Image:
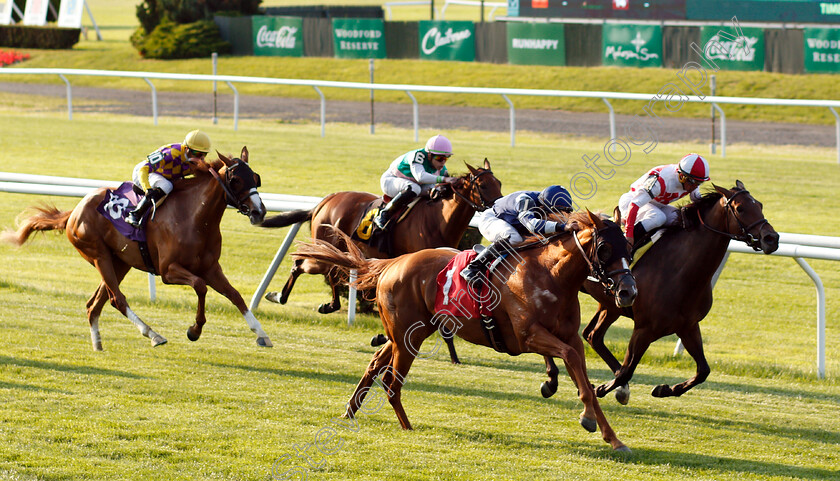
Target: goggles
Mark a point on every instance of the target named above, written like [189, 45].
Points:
[195, 153]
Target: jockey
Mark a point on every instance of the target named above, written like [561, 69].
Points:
[646, 207]
[170, 162]
[514, 216]
[413, 173]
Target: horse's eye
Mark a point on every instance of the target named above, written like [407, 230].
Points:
[604, 252]
[257, 178]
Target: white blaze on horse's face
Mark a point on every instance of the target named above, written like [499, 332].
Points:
[258, 212]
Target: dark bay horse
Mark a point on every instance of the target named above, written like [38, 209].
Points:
[429, 224]
[675, 286]
[183, 237]
[536, 305]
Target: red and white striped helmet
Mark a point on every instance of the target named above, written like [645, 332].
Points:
[695, 167]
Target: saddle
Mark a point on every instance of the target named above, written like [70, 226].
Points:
[115, 206]
[367, 232]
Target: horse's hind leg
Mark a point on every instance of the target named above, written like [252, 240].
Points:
[693, 342]
[216, 279]
[94, 309]
[380, 359]
[333, 279]
[283, 296]
[113, 271]
[449, 337]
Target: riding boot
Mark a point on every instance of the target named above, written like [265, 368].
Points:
[135, 217]
[639, 232]
[403, 198]
[479, 264]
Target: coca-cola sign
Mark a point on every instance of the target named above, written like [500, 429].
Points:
[279, 36]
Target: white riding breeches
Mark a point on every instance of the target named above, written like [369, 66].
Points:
[495, 229]
[393, 185]
[651, 215]
[155, 180]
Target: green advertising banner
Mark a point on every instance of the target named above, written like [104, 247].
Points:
[277, 36]
[744, 52]
[822, 50]
[442, 40]
[536, 43]
[359, 37]
[632, 45]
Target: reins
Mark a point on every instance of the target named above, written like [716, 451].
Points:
[745, 235]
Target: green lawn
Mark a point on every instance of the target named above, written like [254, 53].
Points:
[222, 408]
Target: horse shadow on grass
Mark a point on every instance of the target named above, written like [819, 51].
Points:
[52, 366]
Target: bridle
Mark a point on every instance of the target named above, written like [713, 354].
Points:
[474, 185]
[232, 201]
[597, 269]
[744, 235]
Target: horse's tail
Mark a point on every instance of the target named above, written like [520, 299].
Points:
[285, 219]
[367, 270]
[47, 218]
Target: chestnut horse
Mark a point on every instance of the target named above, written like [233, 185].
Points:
[675, 286]
[536, 304]
[429, 224]
[183, 237]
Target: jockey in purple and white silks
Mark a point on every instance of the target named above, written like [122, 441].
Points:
[513, 217]
[413, 173]
[170, 162]
[646, 207]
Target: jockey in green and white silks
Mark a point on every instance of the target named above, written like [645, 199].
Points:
[414, 173]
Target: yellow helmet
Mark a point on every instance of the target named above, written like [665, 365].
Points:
[198, 141]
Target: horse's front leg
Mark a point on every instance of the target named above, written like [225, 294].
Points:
[541, 341]
[216, 279]
[594, 334]
[693, 342]
[640, 340]
[381, 358]
[178, 274]
[548, 388]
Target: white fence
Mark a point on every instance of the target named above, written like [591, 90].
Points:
[797, 246]
[715, 101]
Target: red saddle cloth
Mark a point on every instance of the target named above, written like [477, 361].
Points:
[454, 296]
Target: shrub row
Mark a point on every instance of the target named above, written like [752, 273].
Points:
[169, 40]
[38, 37]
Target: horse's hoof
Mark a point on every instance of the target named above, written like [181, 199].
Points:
[97, 347]
[456, 361]
[622, 394]
[547, 390]
[662, 390]
[191, 336]
[275, 297]
[589, 424]
[158, 341]
[378, 340]
[326, 308]
[623, 449]
[264, 342]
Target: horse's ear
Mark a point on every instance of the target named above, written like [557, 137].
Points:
[471, 168]
[244, 155]
[724, 192]
[740, 185]
[225, 160]
[486, 164]
[596, 219]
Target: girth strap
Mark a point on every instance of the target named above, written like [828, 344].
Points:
[491, 331]
[147, 258]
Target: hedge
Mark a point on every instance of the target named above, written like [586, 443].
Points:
[38, 37]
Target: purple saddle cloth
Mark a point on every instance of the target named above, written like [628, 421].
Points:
[115, 207]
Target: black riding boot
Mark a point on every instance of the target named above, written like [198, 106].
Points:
[639, 232]
[479, 264]
[404, 197]
[135, 217]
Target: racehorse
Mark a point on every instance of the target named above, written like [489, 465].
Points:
[536, 306]
[429, 224]
[675, 287]
[183, 238]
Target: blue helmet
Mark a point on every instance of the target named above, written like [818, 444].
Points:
[556, 198]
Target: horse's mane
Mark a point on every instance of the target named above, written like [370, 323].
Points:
[580, 216]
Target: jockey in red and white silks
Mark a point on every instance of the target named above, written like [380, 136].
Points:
[646, 207]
